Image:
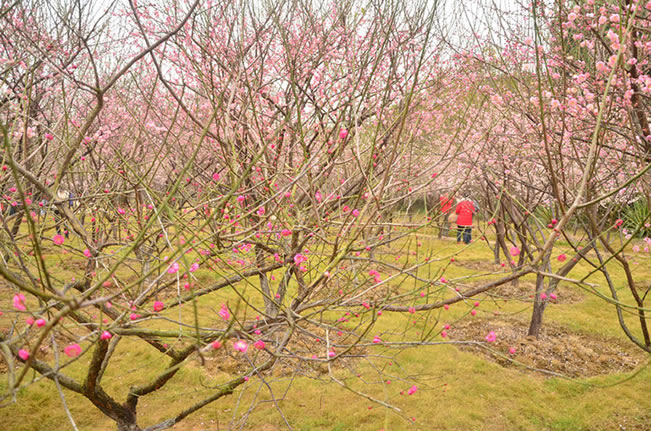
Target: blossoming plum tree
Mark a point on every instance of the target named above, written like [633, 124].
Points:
[232, 171]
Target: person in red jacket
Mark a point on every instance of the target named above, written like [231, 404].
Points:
[446, 203]
[465, 210]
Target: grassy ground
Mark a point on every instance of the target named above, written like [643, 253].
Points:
[457, 389]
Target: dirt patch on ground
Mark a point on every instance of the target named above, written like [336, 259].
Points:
[46, 349]
[479, 265]
[520, 290]
[305, 355]
[525, 290]
[557, 350]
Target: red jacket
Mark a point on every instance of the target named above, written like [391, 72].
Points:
[446, 203]
[465, 210]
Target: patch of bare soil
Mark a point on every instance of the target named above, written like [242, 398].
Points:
[73, 264]
[621, 422]
[301, 349]
[45, 350]
[557, 350]
[479, 265]
[525, 290]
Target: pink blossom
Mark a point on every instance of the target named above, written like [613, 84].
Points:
[58, 239]
[376, 339]
[87, 253]
[491, 337]
[24, 354]
[73, 350]
[514, 251]
[158, 306]
[224, 313]
[561, 257]
[444, 334]
[259, 345]
[173, 269]
[194, 267]
[355, 213]
[106, 335]
[331, 354]
[19, 302]
[619, 222]
[215, 176]
[299, 258]
[40, 322]
[512, 351]
[29, 320]
[412, 390]
[121, 211]
[241, 198]
[134, 316]
[553, 296]
[285, 232]
[543, 296]
[343, 133]
[49, 136]
[216, 344]
[240, 346]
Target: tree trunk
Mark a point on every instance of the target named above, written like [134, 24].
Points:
[539, 305]
[16, 226]
[496, 252]
[269, 306]
[125, 426]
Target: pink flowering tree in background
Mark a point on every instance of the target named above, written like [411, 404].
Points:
[256, 152]
[224, 181]
[570, 143]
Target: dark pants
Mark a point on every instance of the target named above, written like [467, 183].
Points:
[465, 232]
[60, 226]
